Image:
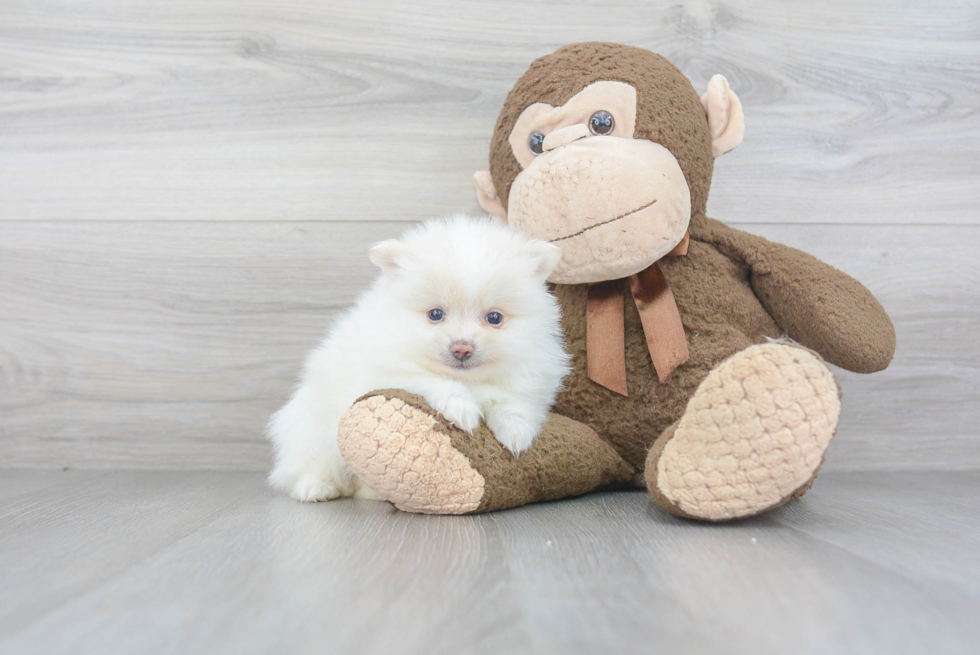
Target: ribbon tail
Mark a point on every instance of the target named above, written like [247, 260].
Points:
[661, 320]
[680, 250]
[605, 335]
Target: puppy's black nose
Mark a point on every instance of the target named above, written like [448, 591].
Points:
[462, 350]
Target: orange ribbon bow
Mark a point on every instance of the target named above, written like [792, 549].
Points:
[605, 340]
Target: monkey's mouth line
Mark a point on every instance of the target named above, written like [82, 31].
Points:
[611, 220]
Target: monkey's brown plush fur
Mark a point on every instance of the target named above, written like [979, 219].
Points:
[739, 428]
[729, 289]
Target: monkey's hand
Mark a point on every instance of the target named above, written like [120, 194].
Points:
[819, 306]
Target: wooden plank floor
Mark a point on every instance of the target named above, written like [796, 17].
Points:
[196, 562]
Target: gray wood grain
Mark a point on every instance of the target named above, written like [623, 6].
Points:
[179, 562]
[188, 190]
[167, 345]
[258, 110]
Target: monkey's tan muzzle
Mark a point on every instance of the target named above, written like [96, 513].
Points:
[613, 205]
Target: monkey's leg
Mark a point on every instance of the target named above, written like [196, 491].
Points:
[753, 436]
[409, 455]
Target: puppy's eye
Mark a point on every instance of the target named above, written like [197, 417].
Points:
[436, 315]
[536, 142]
[601, 122]
[495, 318]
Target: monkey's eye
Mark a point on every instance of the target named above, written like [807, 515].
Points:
[536, 142]
[495, 318]
[601, 122]
[436, 315]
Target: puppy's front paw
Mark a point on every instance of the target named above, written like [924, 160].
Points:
[514, 432]
[311, 489]
[462, 412]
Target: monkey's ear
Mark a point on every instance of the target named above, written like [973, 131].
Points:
[546, 257]
[386, 254]
[486, 195]
[725, 118]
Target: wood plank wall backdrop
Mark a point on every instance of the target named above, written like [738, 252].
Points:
[187, 191]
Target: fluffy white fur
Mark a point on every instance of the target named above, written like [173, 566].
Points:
[466, 267]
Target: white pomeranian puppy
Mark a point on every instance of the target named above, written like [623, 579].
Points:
[460, 315]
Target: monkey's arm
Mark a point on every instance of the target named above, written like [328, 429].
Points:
[818, 306]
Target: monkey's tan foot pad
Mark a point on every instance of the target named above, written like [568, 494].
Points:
[752, 437]
[409, 455]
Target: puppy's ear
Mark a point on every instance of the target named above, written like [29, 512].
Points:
[545, 256]
[386, 255]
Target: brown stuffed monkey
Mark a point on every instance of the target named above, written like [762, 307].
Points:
[698, 350]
